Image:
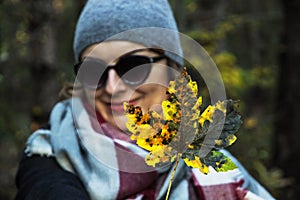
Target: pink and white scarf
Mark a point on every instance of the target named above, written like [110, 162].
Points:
[111, 166]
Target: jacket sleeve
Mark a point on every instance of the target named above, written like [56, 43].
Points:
[42, 178]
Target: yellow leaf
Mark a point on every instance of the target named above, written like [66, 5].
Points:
[180, 132]
[159, 156]
[231, 139]
[194, 87]
[170, 111]
[196, 164]
[171, 88]
[221, 105]
[207, 114]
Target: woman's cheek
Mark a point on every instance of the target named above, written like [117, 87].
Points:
[153, 96]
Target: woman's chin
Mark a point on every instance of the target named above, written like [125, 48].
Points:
[119, 121]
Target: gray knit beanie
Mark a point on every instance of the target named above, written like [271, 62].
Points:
[148, 22]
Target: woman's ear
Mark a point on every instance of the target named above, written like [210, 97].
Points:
[70, 90]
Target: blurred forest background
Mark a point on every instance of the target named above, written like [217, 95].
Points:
[255, 44]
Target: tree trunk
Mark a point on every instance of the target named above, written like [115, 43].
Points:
[287, 129]
[42, 45]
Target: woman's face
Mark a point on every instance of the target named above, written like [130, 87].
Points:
[108, 100]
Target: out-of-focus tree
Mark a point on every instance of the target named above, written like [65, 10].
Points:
[287, 127]
[35, 52]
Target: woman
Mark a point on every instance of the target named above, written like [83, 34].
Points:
[125, 53]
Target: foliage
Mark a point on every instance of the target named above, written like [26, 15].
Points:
[184, 130]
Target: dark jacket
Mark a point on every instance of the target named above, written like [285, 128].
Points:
[42, 178]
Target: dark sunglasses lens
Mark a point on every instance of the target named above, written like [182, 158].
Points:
[134, 69]
[91, 73]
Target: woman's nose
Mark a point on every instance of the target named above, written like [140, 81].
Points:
[114, 83]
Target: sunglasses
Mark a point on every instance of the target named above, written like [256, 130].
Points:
[132, 69]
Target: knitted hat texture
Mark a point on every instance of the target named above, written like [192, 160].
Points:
[147, 22]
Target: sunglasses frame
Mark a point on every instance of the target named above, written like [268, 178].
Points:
[103, 79]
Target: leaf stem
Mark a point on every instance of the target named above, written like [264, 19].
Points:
[173, 175]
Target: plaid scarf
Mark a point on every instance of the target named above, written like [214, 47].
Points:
[112, 167]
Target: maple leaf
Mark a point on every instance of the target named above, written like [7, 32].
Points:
[184, 132]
